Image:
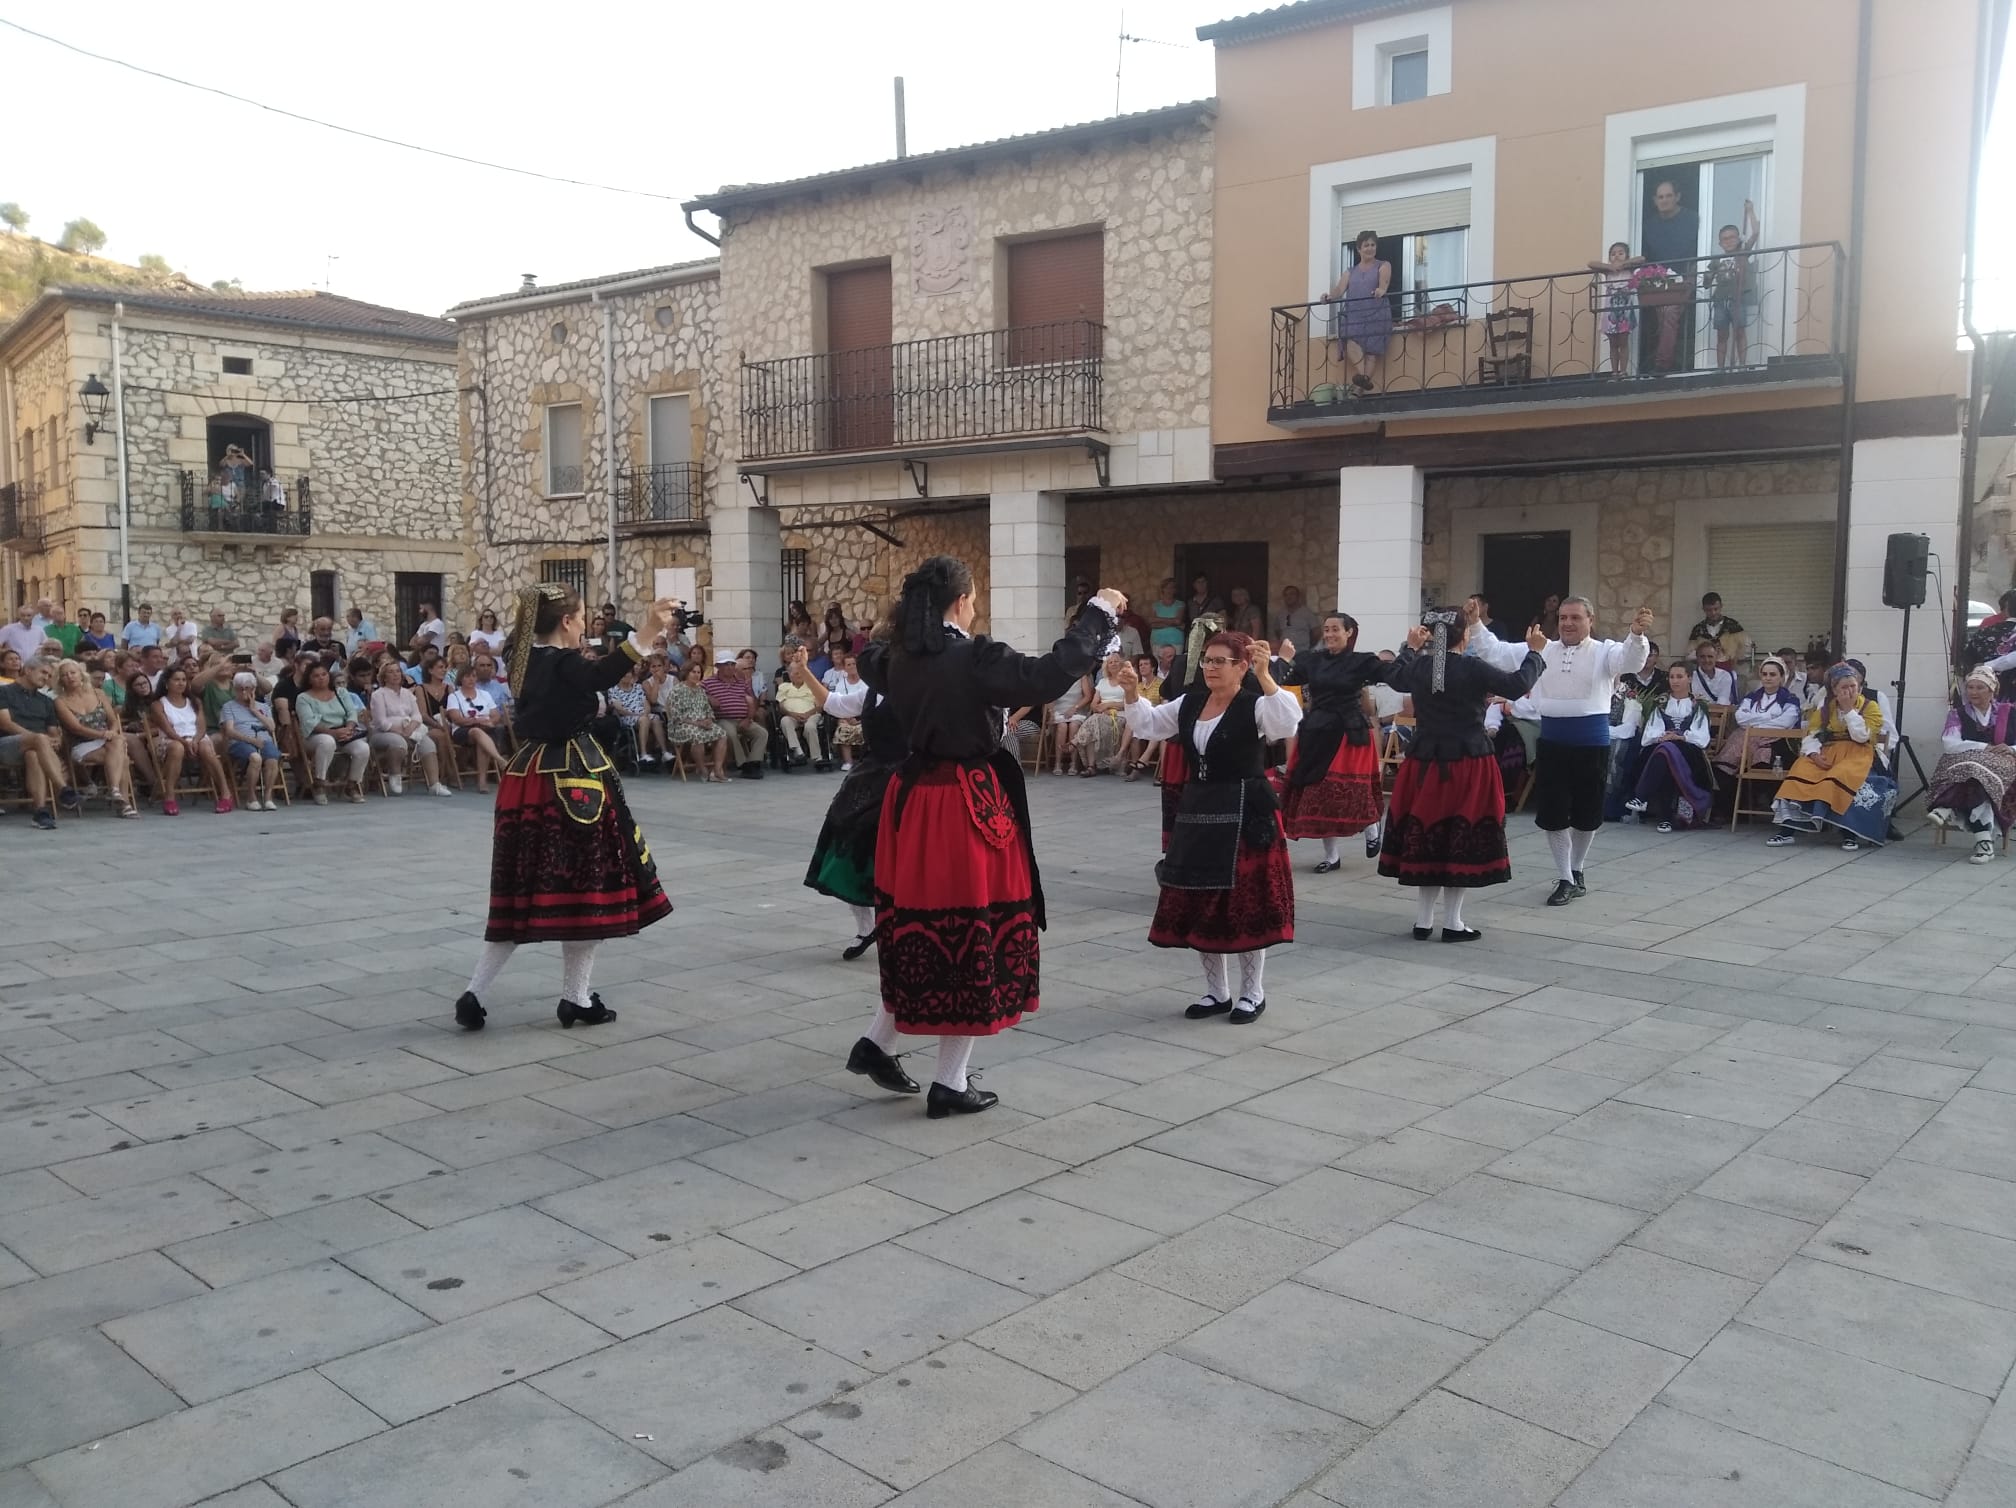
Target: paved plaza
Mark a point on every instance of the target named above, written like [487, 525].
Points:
[1700, 1193]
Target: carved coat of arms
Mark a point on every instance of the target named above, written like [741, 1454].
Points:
[941, 250]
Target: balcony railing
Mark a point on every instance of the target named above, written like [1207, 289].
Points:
[1773, 315]
[210, 507]
[668, 493]
[21, 515]
[989, 385]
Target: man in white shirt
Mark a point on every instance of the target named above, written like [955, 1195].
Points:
[179, 637]
[1710, 683]
[21, 635]
[1572, 697]
[432, 633]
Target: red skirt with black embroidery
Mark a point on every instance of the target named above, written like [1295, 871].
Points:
[556, 878]
[955, 916]
[1257, 912]
[1345, 801]
[1445, 824]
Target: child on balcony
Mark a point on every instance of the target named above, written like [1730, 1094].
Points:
[1731, 295]
[1618, 304]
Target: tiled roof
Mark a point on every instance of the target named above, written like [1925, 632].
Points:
[297, 309]
[1294, 17]
[1194, 112]
[671, 272]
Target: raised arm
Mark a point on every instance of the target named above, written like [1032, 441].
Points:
[1011, 679]
[1495, 652]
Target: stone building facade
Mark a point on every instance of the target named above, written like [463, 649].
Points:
[635, 356]
[348, 406]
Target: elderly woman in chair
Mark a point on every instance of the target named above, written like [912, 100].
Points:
[1974, 786]
[1835, 782]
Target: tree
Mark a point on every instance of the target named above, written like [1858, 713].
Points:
[81, 235]
[227, 285]
[154, 262]
[14, 217]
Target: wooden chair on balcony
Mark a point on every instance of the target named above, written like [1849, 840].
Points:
[1508, 347]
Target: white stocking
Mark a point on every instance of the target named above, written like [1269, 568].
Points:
[1452, 909]
[1252, 972]
[1217, 978]
[489, 964]
[1332, 850]
[954, 1053]
[1563, 849]
[1578, 856]
[864, 920]
[577, 961]
[1424, 905]
[882, 1030]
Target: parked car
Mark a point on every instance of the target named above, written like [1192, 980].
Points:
[1977, 611]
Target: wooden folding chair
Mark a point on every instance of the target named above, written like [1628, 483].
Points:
[1939, 838]
[1392, 751]
[1749, 775]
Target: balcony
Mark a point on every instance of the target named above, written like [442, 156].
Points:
[990, 390]
[659, 499]
[1540, 342]
[210, 508]
[21, 516]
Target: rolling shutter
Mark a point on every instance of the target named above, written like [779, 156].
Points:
[1408, 214]
[1059, 284]
[857, 308]
[1777, 580]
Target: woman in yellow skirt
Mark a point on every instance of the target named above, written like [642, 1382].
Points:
[1835, 781]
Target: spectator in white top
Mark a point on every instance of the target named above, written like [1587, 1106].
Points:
[21, 635]
[399, 731]
[45, 614]
[179, 637]
[432, 633]
[1709, 682]
[474, 719]
[266, 667]
[486, 634]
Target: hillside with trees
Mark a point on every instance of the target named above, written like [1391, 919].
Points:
[29, 264]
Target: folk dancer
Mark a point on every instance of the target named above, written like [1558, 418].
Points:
[1974, 785]
[843, 859]
[1675, 764]
[1227, 891]
[958, 902]
[1835, 781]
[1332, 788]
[567, 861]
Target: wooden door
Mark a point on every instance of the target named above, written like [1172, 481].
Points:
[861, 404]
[1227, 564]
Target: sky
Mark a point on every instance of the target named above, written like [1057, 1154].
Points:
[674, 98]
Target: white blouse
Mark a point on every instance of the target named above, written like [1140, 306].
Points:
[1694, 729]
[852, 701]
[182, 719]
[491, 639]
[1754, 712]
[1279, 715]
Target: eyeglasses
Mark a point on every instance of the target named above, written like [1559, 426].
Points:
[1217, 662]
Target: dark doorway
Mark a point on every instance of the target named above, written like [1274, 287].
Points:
[411, 591]
[1081, 574]
[322, 595]
[860, 389]
[1238, 563]
[250, 434]
[1519, 572]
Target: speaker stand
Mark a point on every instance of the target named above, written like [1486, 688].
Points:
[1904, 748]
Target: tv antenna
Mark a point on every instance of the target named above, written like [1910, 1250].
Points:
[329, 262]
[1121, 61]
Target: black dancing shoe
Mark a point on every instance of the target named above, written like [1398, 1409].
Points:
[1210, 1005]
[469, 1013]
[1329, 864]
[594, 1013]
[859, 946]
[867, 1058]
[1247, 1011]
[1372, 837]
[941, 1102]
[1460, 934]
[1564, 892]
[1422, 934]
[1581, 885]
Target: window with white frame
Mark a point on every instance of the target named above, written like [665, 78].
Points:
[563, 449]
[1398, 59]
[1423, 226]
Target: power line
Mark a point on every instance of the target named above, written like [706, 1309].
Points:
[329, 125]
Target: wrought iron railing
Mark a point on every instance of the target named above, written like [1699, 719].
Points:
[992, 384]
[218, 506]
[21, 514]
[1769, 315]
[668, 493]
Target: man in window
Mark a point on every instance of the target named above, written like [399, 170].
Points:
[736, 709]
[1671, 239]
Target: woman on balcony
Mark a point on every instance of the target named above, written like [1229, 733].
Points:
[1367, 322]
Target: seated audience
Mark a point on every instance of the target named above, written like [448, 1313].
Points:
[493, 686]
[433, 689]
[1710, 683]
[401, 733]
[476, 722]
[693, 721]
[137, 730]
[29, 735]
[331, 719]
[735, 708]
[1772, 706]
[632, 709]
[1673, 773]
[847, 731]
[1974, 785]
[1066, 713]
[1101, 731]
[91, 722]
[1135, 753]
[99, 636]
[180, 735]
[486, 634]
[251, 742]
[1835, 782]
[798, 722]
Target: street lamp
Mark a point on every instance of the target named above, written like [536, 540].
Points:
[97, 403]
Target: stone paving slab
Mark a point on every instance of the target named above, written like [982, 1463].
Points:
[1582, 1219]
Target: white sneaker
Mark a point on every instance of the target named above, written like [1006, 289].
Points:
[1984, 851]
[272, 806]
[438, 789]
[1940, 816]
[398, 784]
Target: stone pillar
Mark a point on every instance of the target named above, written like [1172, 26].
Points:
[1026, 569]
[745, 604]
[1379, 551]
[1904, 486]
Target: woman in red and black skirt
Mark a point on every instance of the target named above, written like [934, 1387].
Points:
[1332, 790]
[957, 900]
[567, 863]
[1226, 887]
[1445, 823]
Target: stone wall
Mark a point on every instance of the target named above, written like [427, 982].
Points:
[667, 341]
[42, 391]
[1137, 537]
[850, 566]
